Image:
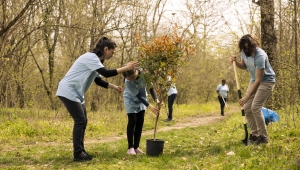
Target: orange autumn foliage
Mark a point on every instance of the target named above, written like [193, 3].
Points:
[162, 56]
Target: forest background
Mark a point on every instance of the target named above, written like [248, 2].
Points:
[40, 40]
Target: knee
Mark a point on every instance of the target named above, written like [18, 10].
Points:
[256, 109]
[140, 123]
[80, 121]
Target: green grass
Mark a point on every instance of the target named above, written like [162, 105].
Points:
[33, 139]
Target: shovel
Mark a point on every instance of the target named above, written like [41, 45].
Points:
[245, 141]
[224, 102]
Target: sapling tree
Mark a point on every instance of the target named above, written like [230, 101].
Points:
[163, 56]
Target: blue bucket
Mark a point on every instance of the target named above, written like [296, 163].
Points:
[270, 115]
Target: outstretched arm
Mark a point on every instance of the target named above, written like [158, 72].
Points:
[154, 96]
[110, 73]
[147, 104]
[101, 82]
[106, 85]
[107, 73]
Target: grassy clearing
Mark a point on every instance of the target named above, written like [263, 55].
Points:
[42, 140]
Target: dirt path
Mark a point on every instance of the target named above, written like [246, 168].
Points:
[194, 121]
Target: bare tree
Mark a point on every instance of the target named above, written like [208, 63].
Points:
[40, 40]
[13, 52]
[203, 22]
[7, 25]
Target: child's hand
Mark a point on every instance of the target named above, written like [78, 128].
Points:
[153, 109]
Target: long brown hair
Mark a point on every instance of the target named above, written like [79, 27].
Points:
[252, 44]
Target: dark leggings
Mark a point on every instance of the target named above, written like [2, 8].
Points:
[78, 113]
[222, 104]
[134, 128]
[171, 100]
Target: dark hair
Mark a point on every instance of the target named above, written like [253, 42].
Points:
[252, 44]
[128, 73]
[102, 43]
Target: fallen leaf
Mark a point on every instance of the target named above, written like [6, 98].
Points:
[230, 153]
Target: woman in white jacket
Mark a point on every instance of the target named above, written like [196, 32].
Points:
[172, 93]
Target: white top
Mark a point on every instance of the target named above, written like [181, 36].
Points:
[223, 90]
[172, 89]
[79, 77]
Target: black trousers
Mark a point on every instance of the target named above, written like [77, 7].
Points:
[78, 113]
[134, 128]
[171, 100]
[222, 104]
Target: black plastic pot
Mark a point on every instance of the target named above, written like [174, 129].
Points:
[154, 147]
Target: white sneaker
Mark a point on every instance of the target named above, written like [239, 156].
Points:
[131, 151]
[138, 151]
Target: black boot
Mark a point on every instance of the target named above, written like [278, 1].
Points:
[82, 157]
[261, 139]
[252, 139]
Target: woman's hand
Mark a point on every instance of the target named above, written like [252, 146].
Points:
[132, 65]
[243, 100]
[153, 109]
[240, 64]
[232, 58]
[119, 89]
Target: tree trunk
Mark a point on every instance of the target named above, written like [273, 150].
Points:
[268, 38]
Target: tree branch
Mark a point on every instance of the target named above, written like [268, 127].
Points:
[14, 21]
